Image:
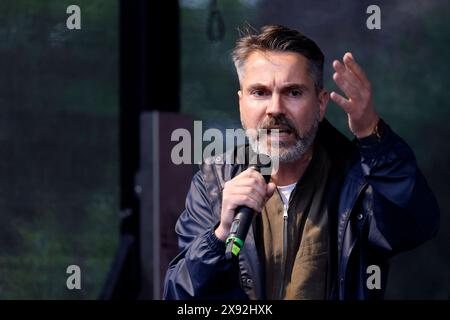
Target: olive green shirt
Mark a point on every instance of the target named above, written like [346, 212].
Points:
[298, 271]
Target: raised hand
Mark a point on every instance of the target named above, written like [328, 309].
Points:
[358, 105]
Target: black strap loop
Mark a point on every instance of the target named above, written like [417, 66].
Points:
[215, 24]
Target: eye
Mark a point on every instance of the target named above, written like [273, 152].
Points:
[295, 93]
[258, 93]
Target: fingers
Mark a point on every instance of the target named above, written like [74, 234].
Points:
[248, 201]
[346, 73]
[341, 101]
[254, 193]
[230, 201]
[248, 188]
[253, 179]
[251, 172]
[352, 80]
[351, 64]
[348, 87]
[358, 104]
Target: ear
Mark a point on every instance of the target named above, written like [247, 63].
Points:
[323, 101]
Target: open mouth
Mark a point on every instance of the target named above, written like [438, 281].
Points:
[280, 130]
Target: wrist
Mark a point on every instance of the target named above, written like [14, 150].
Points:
[221, 233]
[380, 132]
[370, 130]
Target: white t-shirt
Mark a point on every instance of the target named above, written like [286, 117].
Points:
[285, 193]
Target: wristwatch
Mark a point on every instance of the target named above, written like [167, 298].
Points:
[375, 136]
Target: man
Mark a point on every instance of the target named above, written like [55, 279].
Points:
[333, 208]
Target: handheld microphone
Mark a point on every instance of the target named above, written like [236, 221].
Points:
[244, 215]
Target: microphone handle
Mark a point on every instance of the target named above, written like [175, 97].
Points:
[238, 231]
[244, 216]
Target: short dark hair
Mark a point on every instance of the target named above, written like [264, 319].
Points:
[280, 38]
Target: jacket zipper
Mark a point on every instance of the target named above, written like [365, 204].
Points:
[283, 267]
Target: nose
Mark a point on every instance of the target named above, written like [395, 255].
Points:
[275, 106]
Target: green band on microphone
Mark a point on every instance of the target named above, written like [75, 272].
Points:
[236, 240]
[235, 249]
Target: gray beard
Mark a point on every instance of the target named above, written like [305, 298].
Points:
[285, 152]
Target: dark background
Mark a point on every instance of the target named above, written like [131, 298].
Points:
[59, 166]
[59, 123]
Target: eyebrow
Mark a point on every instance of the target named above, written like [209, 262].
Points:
[256, 86]
[295, 86]
[286, 87]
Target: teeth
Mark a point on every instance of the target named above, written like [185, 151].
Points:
[279, 130]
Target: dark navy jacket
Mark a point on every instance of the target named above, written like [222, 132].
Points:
[378, 201]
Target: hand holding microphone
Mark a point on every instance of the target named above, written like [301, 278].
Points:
[242, 197]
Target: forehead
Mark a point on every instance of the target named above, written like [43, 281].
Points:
[274, 66]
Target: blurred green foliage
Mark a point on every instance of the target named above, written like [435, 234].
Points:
[59, 145]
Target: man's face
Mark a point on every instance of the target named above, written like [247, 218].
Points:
[277, 92]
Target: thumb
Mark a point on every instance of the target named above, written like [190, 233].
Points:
[270, 189]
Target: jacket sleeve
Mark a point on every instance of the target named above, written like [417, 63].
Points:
[405, 212]
[200, 270]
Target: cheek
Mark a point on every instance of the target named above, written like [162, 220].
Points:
[304, 114]
[251, 112]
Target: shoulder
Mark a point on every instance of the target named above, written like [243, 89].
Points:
[221, 168]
